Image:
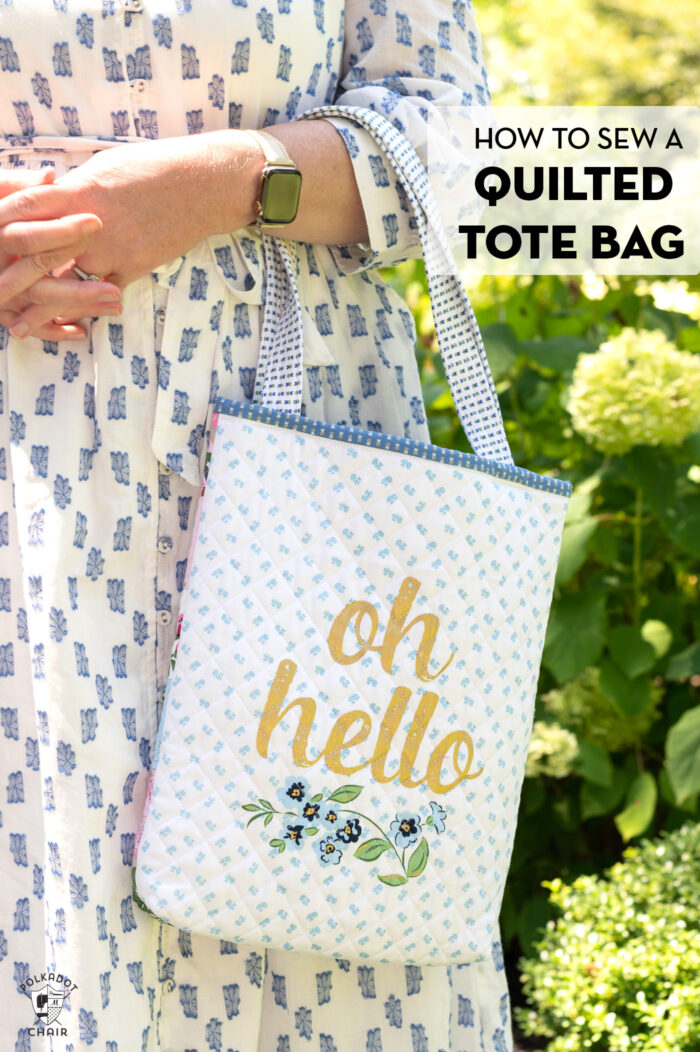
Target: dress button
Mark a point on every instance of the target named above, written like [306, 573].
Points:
[161, 695]
[164, 545]
[164, 617]
[164, 469]
[169, 986]
[140, 86]
[160, 317]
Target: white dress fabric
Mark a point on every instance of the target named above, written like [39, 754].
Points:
[101, 446]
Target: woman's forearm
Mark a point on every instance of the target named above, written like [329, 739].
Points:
[330, 209]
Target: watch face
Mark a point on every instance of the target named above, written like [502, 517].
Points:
[280, 195]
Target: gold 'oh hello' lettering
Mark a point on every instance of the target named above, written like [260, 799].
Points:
[353, 728]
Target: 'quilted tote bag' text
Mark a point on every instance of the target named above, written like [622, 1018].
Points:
[342, 747]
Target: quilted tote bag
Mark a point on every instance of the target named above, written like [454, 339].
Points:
[343, 741]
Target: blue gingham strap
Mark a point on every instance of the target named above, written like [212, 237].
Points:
[459, 339]
[278, 378]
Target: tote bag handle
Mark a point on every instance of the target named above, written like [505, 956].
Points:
[279, 374]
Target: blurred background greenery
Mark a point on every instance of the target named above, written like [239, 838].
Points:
[599, 383]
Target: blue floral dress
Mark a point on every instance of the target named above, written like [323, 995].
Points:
[101, 445]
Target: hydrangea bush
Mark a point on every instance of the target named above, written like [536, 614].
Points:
[636, 389]
[618, 970]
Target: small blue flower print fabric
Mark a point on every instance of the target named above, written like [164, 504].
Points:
[101, 449]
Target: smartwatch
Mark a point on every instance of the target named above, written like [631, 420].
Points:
[280, 184]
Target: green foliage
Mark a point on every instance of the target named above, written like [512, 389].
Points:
[592, 52]
[619, 968]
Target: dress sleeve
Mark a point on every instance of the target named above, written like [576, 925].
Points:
[400, 59]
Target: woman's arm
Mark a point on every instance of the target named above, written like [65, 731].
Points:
[157, 199]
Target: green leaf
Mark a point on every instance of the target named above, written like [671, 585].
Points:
[250, 807]
[311, 831]
[683, 754]
[685, 664]
[599, 800]
[658, 635]
[689, 804]
[532, 918]
[574, 548]
[629, 696]
[639, 807]
[579, 617]
[419, 859]
[682, 523]
[372, 849]
[266, 804]
[653, 472]
[593, 763]
[279, 845]
[501, 348]
[559, 353]
[268, 818]
[317, 798]
[394, 879]
[254, 818]
[630, 651]
[345, 794]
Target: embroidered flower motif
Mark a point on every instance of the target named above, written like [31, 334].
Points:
[294, 793]
[351, 832]
[309, 811]
[293, 833]
[405, 829]
[328, 851]
[438, 815]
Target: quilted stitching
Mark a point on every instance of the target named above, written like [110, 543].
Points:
[270, 574]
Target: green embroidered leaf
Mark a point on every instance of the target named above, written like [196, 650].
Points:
[250, 807]
[312, 831]
[265, 803]
[419, 859]
[268, 818]
[345, 794]
[279, 845]
[317, 798]
[429, 820]
[394, 879]
[251, 820]
[372, 849]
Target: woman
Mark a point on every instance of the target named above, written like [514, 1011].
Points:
[102, 431]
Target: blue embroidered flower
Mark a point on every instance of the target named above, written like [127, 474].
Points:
[405, 829]
[438, 815]
[349, 831]
[213, 1035]
[328, 851]
[465, 1012]
[65, 756]
[293, 832]
[62, 492]
[293, 793]
[414, 977]
[95, 564]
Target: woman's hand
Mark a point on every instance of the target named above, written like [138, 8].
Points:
[155, 201]
[33, 300]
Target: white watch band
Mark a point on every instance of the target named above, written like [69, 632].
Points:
[274, 151]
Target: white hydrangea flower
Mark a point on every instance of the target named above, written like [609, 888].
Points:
[552, 751]
[637, 388]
